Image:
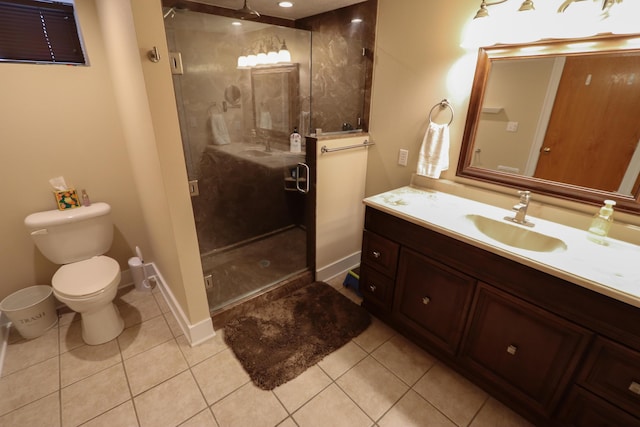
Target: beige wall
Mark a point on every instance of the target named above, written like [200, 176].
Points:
[62, 120]
[94, 126]
[146, 102]
[418, 62]
[519, 88]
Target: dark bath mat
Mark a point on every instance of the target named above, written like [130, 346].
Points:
[279, 341]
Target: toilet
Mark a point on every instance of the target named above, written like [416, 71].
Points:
[87, 281]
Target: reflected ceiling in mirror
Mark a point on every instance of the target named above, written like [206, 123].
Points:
[559, 119]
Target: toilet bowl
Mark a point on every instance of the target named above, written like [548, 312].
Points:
[87, 282]
[88, 287]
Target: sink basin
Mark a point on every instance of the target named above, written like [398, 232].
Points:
[516, 236]
[256, 153]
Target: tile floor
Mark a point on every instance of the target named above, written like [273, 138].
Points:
[150, 376]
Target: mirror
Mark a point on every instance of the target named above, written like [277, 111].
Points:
[558, 119]
[232, 96]
[275, 93]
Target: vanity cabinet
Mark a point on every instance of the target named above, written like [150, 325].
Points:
[551, 350]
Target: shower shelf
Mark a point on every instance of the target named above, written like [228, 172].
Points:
[290, 183]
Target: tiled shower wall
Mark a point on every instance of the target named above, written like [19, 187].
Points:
[341, 73]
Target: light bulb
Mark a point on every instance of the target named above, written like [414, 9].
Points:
[284, 55]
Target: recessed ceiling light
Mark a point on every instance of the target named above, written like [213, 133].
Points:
[356, 20]
[236, 23]
[285, 4]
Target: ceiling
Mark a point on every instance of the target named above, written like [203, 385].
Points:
[300, 9]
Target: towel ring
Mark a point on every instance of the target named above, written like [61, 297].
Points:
[442, 104]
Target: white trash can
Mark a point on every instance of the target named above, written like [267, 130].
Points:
[31, 310]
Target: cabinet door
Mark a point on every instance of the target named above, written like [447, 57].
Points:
[613, 372]
[528, 352]
[432, 299]
[583, 409]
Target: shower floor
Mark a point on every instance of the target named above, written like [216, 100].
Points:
[245, 270]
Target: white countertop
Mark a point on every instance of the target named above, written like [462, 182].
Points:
[609, 270]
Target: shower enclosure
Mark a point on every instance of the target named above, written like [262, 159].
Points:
[254, 221]
[248, 190]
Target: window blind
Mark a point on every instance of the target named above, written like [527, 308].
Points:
[38, 31]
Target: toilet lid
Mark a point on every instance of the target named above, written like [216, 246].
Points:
[86, 277]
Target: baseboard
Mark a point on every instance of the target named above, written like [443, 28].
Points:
[342, 266]
[195, 333]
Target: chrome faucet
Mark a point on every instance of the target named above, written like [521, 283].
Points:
[521, 209]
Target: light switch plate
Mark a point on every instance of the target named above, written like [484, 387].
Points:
[403, 155]
[512, 126]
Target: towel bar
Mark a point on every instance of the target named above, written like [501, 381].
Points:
[366, 143]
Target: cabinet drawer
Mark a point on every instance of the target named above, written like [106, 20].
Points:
[583, 409]
[528, 351]
[432, 299]
[612, 371]
[376, 288]
[380, 253]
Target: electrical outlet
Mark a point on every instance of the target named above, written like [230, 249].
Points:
[512, 126]
[403, 155]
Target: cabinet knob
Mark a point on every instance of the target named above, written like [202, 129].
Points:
[426, 300]
[512, 349]
[634, 387]
[372, 288]
[376, 254]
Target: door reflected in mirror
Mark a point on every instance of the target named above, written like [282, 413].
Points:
[561, 123]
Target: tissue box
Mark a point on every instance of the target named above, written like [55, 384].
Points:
[67, 199]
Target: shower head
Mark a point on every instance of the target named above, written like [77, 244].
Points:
[247, 12]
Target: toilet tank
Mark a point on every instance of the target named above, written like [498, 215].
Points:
[72, 235]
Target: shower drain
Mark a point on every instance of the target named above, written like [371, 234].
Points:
[264, 263]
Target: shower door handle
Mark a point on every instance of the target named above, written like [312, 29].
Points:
[302, 178]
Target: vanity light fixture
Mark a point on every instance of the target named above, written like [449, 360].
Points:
[572, 19]
[266, 53]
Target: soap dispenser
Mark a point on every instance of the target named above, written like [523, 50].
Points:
[295, 142]
[601, 223]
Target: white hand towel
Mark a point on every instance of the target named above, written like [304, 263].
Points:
[265, 120]
[219, 130]
[434, 152]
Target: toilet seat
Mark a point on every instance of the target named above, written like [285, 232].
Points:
[86, 278]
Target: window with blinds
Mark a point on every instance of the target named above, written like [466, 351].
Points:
[39, 31]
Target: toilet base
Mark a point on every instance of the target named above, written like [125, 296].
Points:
[101, 326]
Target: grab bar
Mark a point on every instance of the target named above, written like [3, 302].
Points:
[366, 143]
[304, 178]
